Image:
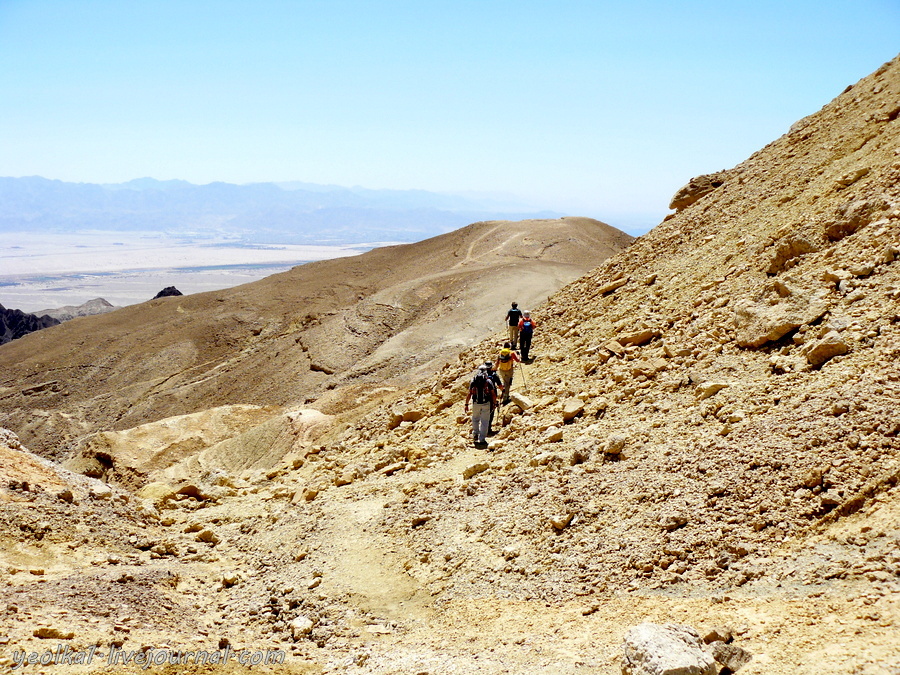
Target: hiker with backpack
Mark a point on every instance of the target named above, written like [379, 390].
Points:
[512, 322]
[483, 396]
[498, 386]
[506, 361]
[526, 331]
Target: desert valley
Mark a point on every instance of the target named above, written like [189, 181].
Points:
[707, 436]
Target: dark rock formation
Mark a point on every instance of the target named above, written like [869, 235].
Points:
[167, 292]
[14, 323]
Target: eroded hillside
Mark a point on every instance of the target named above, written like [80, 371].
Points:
[291, 337]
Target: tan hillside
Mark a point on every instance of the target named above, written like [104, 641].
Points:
[707, 436]
[287, 339]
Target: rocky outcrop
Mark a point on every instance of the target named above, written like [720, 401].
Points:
[14, 323]
[696, 188]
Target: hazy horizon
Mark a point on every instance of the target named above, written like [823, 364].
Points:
[599, 109]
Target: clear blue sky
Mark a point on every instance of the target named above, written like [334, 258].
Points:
[589, 107]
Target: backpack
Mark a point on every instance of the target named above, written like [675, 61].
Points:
[527, 327]
[482, 386]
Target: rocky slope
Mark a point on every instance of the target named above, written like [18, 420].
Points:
[293, 336]
[707, 436]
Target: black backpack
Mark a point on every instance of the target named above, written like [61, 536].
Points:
[527, 327]
[482, 386]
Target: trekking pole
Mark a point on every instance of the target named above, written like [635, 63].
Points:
[524, 380]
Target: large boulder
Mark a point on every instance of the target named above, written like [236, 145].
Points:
[653, 649]
[758, 323]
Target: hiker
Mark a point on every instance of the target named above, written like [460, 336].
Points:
[498, 386]
[506, 361]
[512, 322]
[483, 395]
[526, 330]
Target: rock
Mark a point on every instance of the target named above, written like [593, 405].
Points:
[419, 519]
[615, 443]
[851, 177]
[862, 269]
[757, 324]
[840, 407]
[168, 292]
[812, 478]
[66, 496]
[208, 536]
[639, 337]
[696, 188]
[615, 347]
[101, 491]
[413, 415]
[611, 286]
[572, 408]
[787, 251]
[474, 469]
[831, 345]
[544, 459]
[730, 655]
[717, 634]
[510, 552]
[707, 389]
[231, 578]
[553, 435]
[393, 468]
[521, 400]
[652, 649]
[647, 367]
[300, 627]
[560, 521]
[672, 521]
[854, 215]
[52, 633]
[394, 420]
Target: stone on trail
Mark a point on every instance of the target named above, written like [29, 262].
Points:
[475, 469]
[521, 400]
[301, 626]
[53, 633]
[652, 649]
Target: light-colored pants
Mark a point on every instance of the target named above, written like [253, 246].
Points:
[506, 376]
[481, 421]
[513, 336]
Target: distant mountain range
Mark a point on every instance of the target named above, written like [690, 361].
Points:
[282, 213]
